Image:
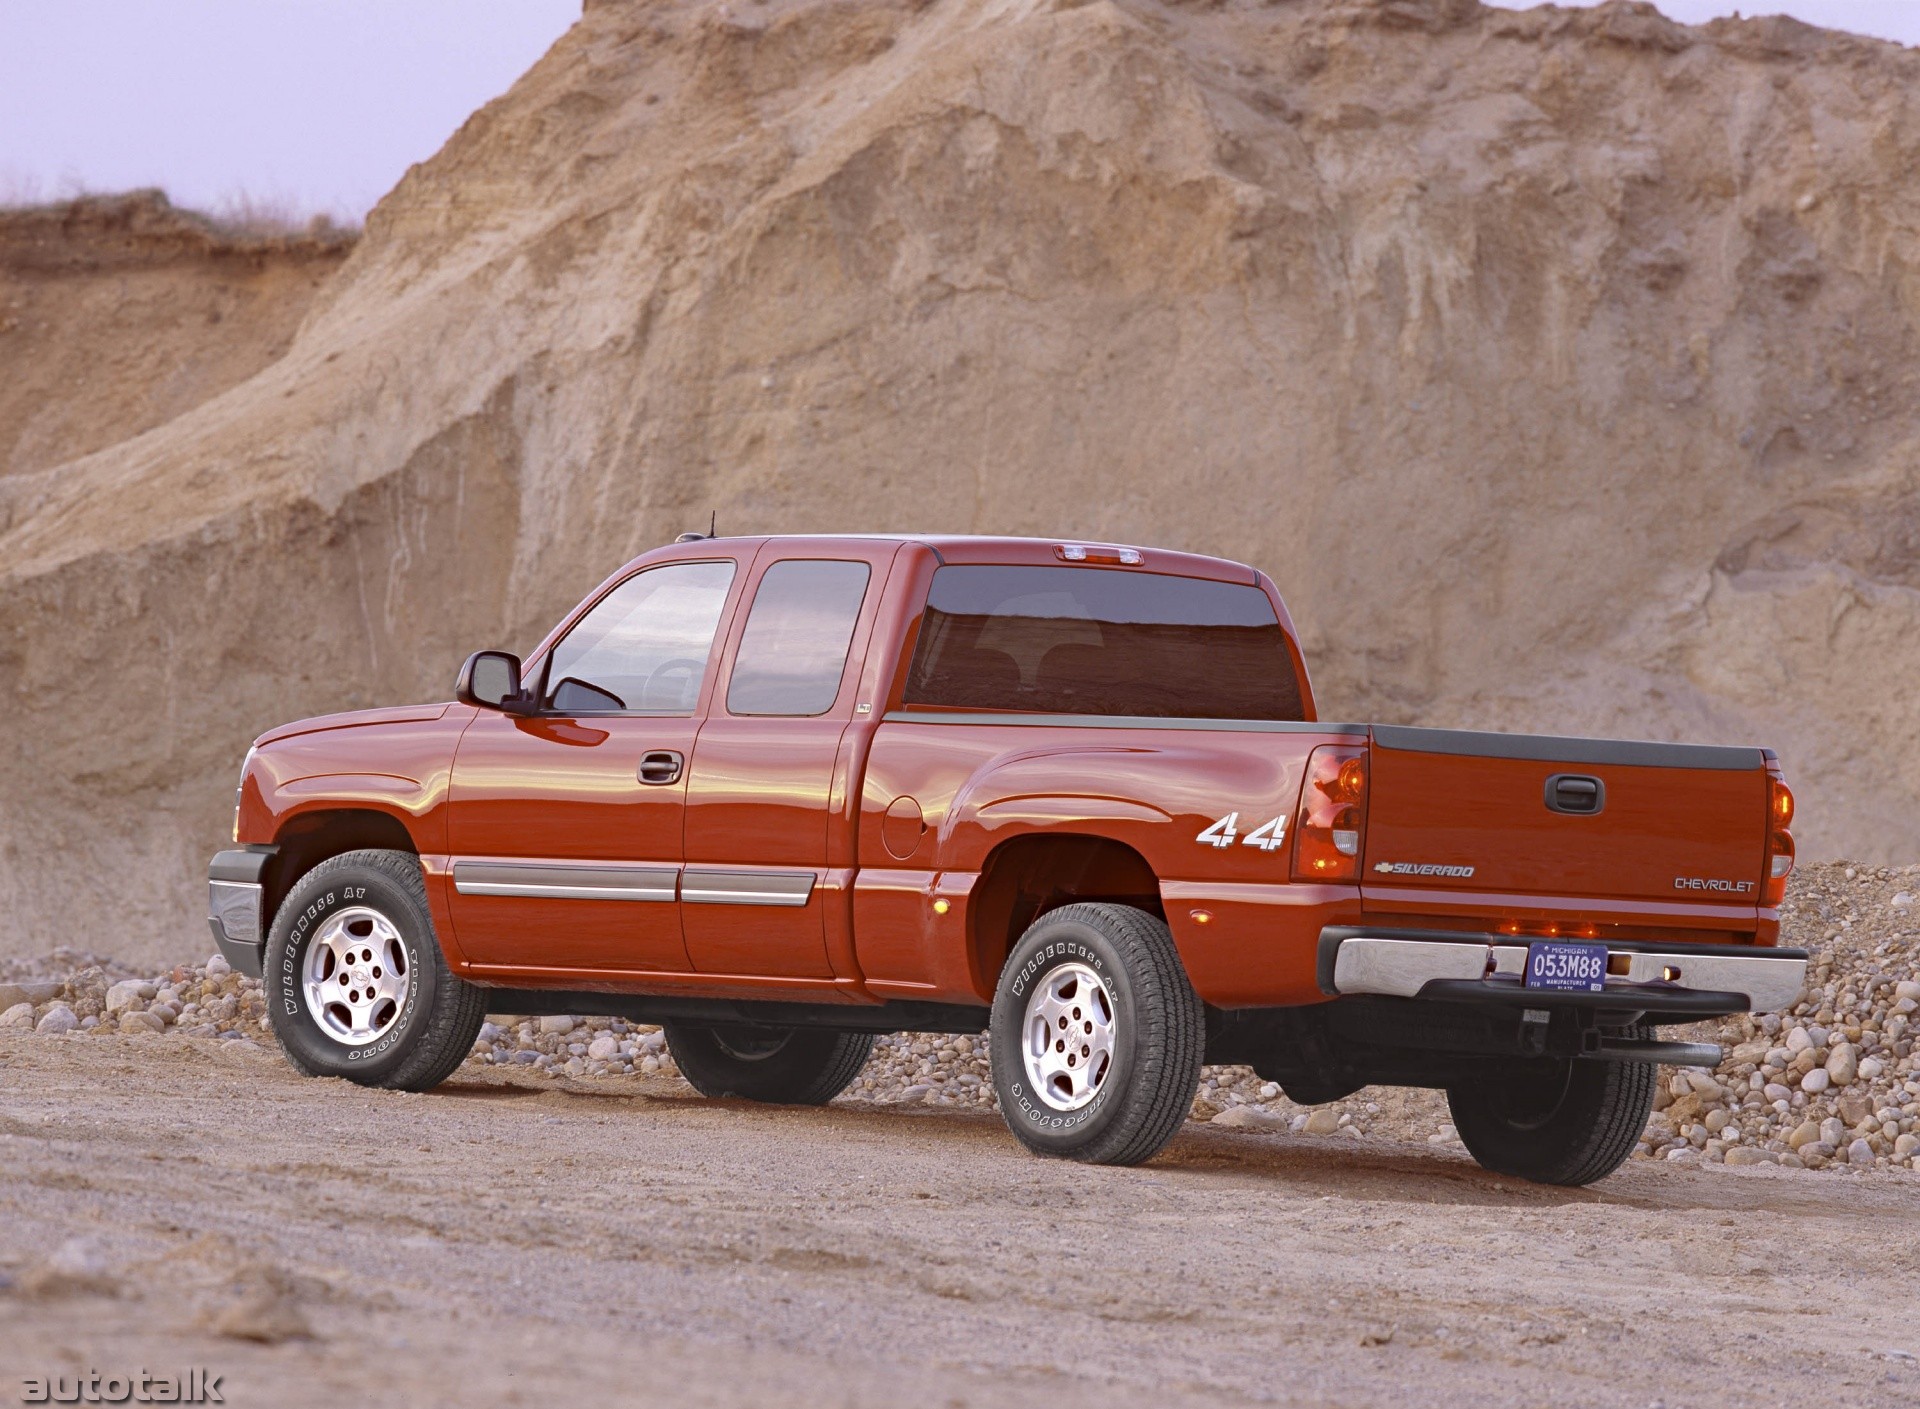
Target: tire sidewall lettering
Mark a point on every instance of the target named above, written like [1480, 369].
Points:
[1034, 1114]
[291, 998]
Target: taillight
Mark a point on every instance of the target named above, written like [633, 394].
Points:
[1333, 814]
[1779, 839]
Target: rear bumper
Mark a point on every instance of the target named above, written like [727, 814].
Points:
[235, 891]
[1678, 979]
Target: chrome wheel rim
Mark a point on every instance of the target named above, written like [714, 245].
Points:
[356, 976]
[1067, 1037]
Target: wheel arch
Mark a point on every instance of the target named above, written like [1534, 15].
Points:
[307, 838]
[1026, 876]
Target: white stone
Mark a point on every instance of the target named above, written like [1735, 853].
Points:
[561, 1025]
[1815, 1081]
[59, 1019]
[1860, 1152]
[1324, 1121]
[1798, 1041]
[1871, 1068]
[19, 1015]
[218, 967]
[129, 993]
[1842, 1065]
[603, 1047]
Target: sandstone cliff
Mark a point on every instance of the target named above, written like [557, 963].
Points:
[1559, 366]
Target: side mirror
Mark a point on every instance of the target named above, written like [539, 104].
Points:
[491, 680]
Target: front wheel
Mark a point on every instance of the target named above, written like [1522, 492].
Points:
[1097, 1035]
[786, 1066]
[1556, 1120]
[355, 982]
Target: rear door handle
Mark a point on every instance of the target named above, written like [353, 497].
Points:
[660, 767]
[1576, 794]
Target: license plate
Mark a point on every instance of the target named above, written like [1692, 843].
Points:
[1567, 968]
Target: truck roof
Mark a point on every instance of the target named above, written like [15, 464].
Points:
[998, 548]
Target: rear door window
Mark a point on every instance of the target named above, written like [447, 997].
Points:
[644, 646]
[1072, 640]
[794, 648]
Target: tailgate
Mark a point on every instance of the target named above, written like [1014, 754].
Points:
[1452, 810]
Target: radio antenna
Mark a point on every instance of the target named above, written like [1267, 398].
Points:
[713, 523]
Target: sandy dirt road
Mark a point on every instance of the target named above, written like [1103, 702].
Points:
[629, 1241]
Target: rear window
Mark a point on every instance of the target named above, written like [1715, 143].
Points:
[1072, 640]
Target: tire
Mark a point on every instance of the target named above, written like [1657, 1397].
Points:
[1556, 1120]
[1072, 966]
[413, 1024]
[783, 1066]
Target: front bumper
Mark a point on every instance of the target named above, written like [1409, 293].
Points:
[235, 893]
[1682, 980]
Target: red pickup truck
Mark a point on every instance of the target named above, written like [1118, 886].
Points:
[782, 794]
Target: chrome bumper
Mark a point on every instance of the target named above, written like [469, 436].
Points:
[235, 895]
[1661, 977]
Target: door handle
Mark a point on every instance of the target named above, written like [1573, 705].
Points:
[661, 766]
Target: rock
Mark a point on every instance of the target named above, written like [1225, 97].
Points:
[1804, 1134]
[1871, 1068]
[141, 1022]
[1833, 1131]
[218, 967]
[602, 1047]
[59, 1019]
[18, 1015]
[77, 1267]
[12, 995]
[1776, 1092]
[1717, 1119]
[129, 993]
[1324, 1121]
[1855, 1108]
[1843, 1064]
[1815, 1081]
[1746, 1154]
[561, 1025]
[1904, 1147]
[265, 1308]
[1798, 1041]
[1907, 988]
[1859, 1152]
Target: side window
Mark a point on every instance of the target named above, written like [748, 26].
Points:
[643, 646]
[794, 649]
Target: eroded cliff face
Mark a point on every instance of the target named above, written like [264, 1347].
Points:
[118, 313]
[1559, 366]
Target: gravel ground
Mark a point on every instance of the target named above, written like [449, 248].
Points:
[1833, 1084]
[513, 1239]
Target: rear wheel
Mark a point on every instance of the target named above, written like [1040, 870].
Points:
[1556, 1120]
[788, 1066]
[1097, 1035]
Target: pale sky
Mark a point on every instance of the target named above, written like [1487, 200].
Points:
[321, 105]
